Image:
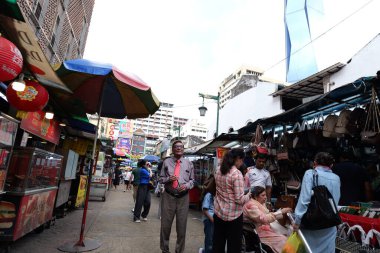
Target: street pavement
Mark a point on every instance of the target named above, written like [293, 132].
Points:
[111, 223]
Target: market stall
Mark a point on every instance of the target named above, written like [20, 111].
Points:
[31, 187]
[345, 120]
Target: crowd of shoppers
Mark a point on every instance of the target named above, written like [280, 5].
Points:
[239, 196]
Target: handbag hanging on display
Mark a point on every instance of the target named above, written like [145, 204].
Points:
[294, 183]
[371, 132]
[322, 211]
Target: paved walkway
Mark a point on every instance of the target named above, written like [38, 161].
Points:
[111, 223]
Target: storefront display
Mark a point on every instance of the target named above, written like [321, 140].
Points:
[8, 129]
[31, 188]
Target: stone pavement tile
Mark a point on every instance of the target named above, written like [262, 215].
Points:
[111, 223]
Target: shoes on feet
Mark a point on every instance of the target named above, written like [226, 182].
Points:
[137, 221]
[200, 250]
[144, 219]
[124, 190]
[132, 210]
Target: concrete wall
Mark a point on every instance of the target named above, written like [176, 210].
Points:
[366, 62]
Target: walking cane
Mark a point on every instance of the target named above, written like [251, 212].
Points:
[307, 247]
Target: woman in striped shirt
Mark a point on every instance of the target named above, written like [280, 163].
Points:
[228, 203]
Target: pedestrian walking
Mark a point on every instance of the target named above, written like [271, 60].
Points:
[127, 178]
[228, 204]
[143, 193]
[117, 176]
[177, 175]
[321, 240]
[135, 182]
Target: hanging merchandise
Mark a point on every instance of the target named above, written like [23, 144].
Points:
[259, 136]
[33, 98]
[10, 60]
[329, 126]
[371, 132]
[356, 121]
[343, 121]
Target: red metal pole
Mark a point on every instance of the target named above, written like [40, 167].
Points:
[81, 236]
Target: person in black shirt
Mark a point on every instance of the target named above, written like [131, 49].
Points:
[355, 183]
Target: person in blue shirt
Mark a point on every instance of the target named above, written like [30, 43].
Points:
[143, 193]
[208, 221]
[322, 240]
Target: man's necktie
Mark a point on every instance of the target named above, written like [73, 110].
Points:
[176, 173]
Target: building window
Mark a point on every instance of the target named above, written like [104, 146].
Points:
[37, 11]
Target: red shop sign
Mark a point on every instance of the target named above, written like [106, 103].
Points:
[35, 123]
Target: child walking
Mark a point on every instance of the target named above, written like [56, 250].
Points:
[208, 221]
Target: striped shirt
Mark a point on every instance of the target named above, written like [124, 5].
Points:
[230, 198]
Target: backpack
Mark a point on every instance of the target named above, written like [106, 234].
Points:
[356, 121]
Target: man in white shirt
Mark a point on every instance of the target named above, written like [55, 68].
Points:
[258, 175]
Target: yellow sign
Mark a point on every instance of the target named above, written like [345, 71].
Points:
[81, 196]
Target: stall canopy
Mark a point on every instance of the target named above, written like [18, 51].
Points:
[231, 140]
[349, 95]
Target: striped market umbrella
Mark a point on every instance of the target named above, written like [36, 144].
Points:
[103, 89]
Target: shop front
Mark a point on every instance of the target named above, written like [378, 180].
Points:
[343, 121]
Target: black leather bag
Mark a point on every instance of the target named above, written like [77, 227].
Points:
[322, 211]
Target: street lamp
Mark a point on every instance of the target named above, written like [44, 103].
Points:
[178, 128]
[203, 108]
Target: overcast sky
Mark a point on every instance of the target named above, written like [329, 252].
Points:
[181, 48]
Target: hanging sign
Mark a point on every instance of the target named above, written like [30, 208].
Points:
[23, 36]
[36, 123]
[10, 60]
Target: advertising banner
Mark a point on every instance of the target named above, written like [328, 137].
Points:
[22, 35]
[36, 123]
[124, 144]
[81, 191]
[125, 128]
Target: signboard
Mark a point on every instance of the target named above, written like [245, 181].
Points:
[125, 128]
[22, 35]
[81, 196]
[124, 144]
[112, 129]
[25, 213]
[36, 123]
[220, 152]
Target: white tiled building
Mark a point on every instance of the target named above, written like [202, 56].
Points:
[194, 127]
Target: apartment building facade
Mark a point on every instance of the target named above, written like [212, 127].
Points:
[61, 26]
[245, 74]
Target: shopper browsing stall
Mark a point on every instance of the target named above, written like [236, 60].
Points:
[258, 175]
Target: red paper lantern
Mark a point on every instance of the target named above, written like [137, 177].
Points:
[10, 60]
[33, 98]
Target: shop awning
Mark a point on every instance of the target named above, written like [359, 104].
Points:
[224, 140]
[194, 150]
[310, 86]
[349, 95]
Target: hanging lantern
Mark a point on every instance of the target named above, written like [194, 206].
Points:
[10, 60]
[33, 98]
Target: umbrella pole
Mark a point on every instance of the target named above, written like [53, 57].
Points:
[83, 245]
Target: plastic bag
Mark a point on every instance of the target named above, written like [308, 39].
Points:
[294, 244]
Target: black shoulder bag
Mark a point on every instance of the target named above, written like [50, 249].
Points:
[322, 211]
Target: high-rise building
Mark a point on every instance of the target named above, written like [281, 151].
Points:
[194, 127]
[61, 26]
[243, 74]
[302, 24]
[159, 124]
